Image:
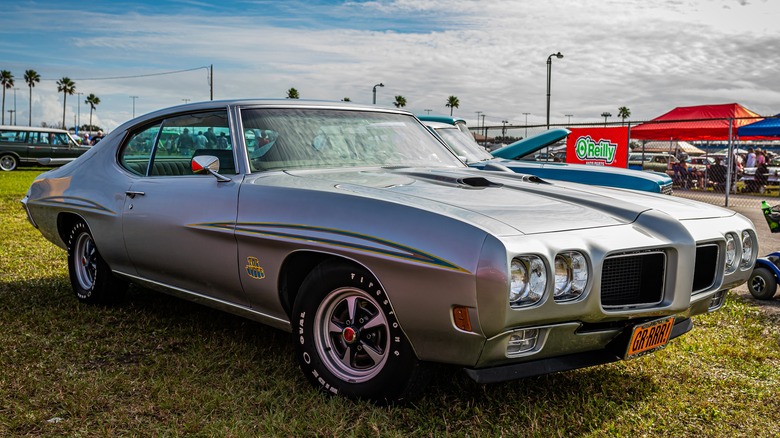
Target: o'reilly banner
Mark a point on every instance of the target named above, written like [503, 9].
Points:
[598, 146]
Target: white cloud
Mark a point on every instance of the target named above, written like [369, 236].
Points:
[649, 56]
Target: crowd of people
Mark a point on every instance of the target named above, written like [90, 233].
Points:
[89, 140]
[714, 173]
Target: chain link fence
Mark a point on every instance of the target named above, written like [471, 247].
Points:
[725, 173]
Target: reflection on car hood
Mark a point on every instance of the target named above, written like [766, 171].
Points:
[503, 203]
[676, 207]
[531, 144]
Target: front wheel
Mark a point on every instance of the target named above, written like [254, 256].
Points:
[762, 283]
[8, 163]
[90, 275]
[348, 340]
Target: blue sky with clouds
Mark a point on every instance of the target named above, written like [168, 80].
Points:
[648, 56]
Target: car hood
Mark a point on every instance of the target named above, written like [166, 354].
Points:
[531, 144]
[502, 203]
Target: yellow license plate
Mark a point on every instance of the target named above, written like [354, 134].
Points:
[649, 337]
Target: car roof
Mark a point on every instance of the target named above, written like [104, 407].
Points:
[31, 128]
[278, 103]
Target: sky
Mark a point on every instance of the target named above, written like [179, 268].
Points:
[647, 55]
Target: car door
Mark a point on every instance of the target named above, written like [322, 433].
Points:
[179, 227]
[38, 146]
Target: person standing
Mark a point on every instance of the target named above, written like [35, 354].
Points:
[751, 158]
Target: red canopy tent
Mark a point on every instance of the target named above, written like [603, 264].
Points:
[703, 122]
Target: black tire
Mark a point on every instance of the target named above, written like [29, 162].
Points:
[348, 341]
[762, 283]
[90, 275]
[8, 162]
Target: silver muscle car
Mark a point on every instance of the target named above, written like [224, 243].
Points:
[358, 231]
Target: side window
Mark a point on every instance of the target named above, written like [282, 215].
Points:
[137, 151]
[13, 136]
[39, 138]
[60, 139]
[191, 135]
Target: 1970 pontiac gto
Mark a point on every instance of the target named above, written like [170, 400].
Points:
[358, 231]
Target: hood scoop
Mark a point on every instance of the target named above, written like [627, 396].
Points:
[454, 179]
[478, 182]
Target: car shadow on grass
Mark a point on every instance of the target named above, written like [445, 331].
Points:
[149, 333]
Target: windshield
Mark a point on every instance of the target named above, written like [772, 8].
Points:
[463, 145]
[296, 138]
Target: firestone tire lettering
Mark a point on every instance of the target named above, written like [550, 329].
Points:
[350, 343]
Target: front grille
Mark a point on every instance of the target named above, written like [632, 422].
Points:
[666, 189]
[706, 267]
[633, 279]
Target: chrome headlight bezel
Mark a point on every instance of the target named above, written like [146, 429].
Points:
[528, 280]
[571, 275]
[731, 253]
[748, 244]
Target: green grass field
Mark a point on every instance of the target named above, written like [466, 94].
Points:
[154, 365]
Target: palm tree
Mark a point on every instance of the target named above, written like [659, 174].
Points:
[346, 99]
[400, 102]
[292, 93]
[452, 102]
[7, 81]
[624, 113]
[92, 101]
[31, 77]
[66, 86]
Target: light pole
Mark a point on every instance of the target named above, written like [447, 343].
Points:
[549, 73]
[569, 116]
[484, 126]
[186, 101]
[377, 85]
[16, 115]
[78, 117]
[134, 98]
[606, 114]
[503, 129]
[428, 111]
[526, 125]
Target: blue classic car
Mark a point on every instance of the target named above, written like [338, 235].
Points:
[451, 131]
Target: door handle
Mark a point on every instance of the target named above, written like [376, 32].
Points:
[133, 194]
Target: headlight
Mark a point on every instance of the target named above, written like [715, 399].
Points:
[731, 252]
[747, 249]
[529, 280]
[571, 275]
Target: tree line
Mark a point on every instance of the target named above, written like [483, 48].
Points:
[66, 86]
[400, 101]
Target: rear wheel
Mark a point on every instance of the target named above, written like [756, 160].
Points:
[8, 163]
[762, 283]
[348, 340]
[90, 275]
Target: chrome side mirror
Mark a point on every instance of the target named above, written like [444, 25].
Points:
[207, 164]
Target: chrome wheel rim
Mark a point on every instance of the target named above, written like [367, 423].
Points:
[7, 163]
[85, 261]
[351, 335]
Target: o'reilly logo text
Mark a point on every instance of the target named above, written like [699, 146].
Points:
[587, 149]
